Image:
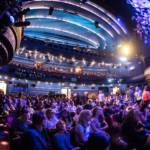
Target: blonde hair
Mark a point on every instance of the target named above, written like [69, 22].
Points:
[83, 114]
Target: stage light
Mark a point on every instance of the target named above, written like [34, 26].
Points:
[125, 49]
[93, 63]
[73, 59]
[4, 143]
[6, 19]
[110, 80]
[123, 59]
[132, 68]
[78, 70]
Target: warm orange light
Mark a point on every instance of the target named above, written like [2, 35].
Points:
[4, 143]
[78, 69]
[125, 49]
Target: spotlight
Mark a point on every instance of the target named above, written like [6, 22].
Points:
[125, 49]
[78, 70]
[22, 24]
[6, 19]
[110, 80]
[51, 9]
[132, 68]
[123, 59]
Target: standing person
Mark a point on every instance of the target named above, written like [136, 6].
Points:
[101, 96]
[62, 137]
[138, 94]
[146, 96]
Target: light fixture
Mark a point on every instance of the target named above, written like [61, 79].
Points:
[78, 70]
[123, 59]
[132, 68]
[93, 63]
[110, 80]
[125, 49]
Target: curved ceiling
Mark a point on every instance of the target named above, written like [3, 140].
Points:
[73, 23]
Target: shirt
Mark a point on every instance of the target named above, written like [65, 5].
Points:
[146, 96]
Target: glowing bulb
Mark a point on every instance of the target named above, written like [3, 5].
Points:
[78, 69]
[126, 50]
[123, 59]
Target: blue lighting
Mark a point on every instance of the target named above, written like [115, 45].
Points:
[110, 80]
[77, 24]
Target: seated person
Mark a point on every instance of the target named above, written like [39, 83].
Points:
[33, 139]
[134, 131]
[82, 129]
[21, 124]
[50, 120]
[62, 137]
[97, 122]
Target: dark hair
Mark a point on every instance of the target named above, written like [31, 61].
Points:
[37, 118]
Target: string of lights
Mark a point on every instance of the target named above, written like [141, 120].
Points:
[47, 57]
[12, 79]
[142, 17]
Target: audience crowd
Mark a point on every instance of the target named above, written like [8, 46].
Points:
[113, 122]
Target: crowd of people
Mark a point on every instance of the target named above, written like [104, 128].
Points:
[116, 122]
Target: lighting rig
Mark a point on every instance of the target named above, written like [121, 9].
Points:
[11, 27]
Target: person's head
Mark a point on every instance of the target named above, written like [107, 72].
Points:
[61, 126]
[96, 112]
[133, 117]
[146, 88]
[65, 113]
[137, 88]
[85, 116]
[100, 92]
[25, 115]
[79, 109]
[49, 113]
[100, 141]
[72, 103]
[37, 120]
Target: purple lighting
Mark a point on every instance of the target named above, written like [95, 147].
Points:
[118, 19]
[142, 17]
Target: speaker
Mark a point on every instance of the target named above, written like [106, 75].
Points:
[51, 9]
[96, 24]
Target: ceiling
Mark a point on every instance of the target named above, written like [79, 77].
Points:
[65, 34]
[70, 22]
